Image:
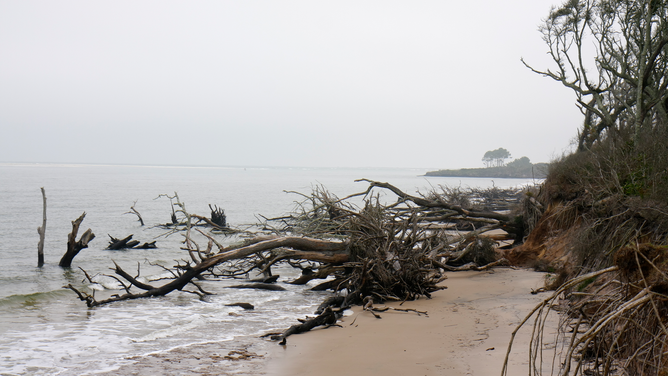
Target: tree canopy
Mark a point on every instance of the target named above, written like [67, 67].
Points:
[520, 163]
[496, 158]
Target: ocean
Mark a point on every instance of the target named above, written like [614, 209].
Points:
[46, 330]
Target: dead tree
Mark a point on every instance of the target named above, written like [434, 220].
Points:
[186, 273]
[41, 231]
[174, 220]
[218, 216]
[377, 252]
[127, 242]
[390, 252]
[73, 245]
[135, 212]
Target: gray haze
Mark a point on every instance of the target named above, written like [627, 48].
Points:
[429, 84]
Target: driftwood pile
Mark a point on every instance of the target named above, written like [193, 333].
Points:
[366, 253]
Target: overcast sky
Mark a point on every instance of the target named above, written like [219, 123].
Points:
[278, 83]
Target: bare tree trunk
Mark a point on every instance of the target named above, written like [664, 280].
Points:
[41, 231]
[74, 246]
[135, 212]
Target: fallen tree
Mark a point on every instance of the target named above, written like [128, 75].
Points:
[377, 251]
[128, 243]
[185, 273]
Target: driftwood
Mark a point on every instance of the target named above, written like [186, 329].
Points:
[309, 274]
[246, 306]
[128, 243]
[368, 307]
[436, 203]
[387, 252]
[135, 212]
[218, 216]
[41, 231]
[397, 251]
[73, 245]
[270, 279]
[327, 318]
[334, 285]
[188, 272]
[148, 245]
[116, 244]
[258, 286]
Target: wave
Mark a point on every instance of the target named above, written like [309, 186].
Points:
[33, 298]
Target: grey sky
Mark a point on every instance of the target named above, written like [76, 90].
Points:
[277, 83]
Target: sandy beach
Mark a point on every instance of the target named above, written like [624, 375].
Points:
[466, 332]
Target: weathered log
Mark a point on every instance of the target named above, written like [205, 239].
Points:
[334, 259]
[333, 301]
[469, 266]
[327, 317]
[334, 284]
[246, 306]
[73, 245]
[305, 244]
[116, 244]
[131, 279]
[149, 245]
[258, 286]
[41, 231]
[319, 274]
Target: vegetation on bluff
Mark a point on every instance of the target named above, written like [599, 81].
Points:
[604, 231]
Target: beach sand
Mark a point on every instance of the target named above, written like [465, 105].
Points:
[466, 332]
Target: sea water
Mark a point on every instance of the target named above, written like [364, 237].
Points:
[46, 330]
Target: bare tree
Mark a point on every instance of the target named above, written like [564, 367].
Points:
[135, 212]
[624, 85]
[74, 246]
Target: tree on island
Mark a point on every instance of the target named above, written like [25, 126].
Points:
[496, 158]
[520, 163]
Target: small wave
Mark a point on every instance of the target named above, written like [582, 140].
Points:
[193, 322]
[32, 299]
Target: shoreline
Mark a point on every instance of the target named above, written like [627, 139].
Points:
[467, 332]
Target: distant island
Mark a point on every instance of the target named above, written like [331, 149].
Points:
[497, 168]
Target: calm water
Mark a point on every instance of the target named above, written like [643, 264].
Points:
[45, 330]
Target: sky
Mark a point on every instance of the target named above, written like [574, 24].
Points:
[416, 84]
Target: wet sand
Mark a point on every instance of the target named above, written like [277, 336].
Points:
[466, 332]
